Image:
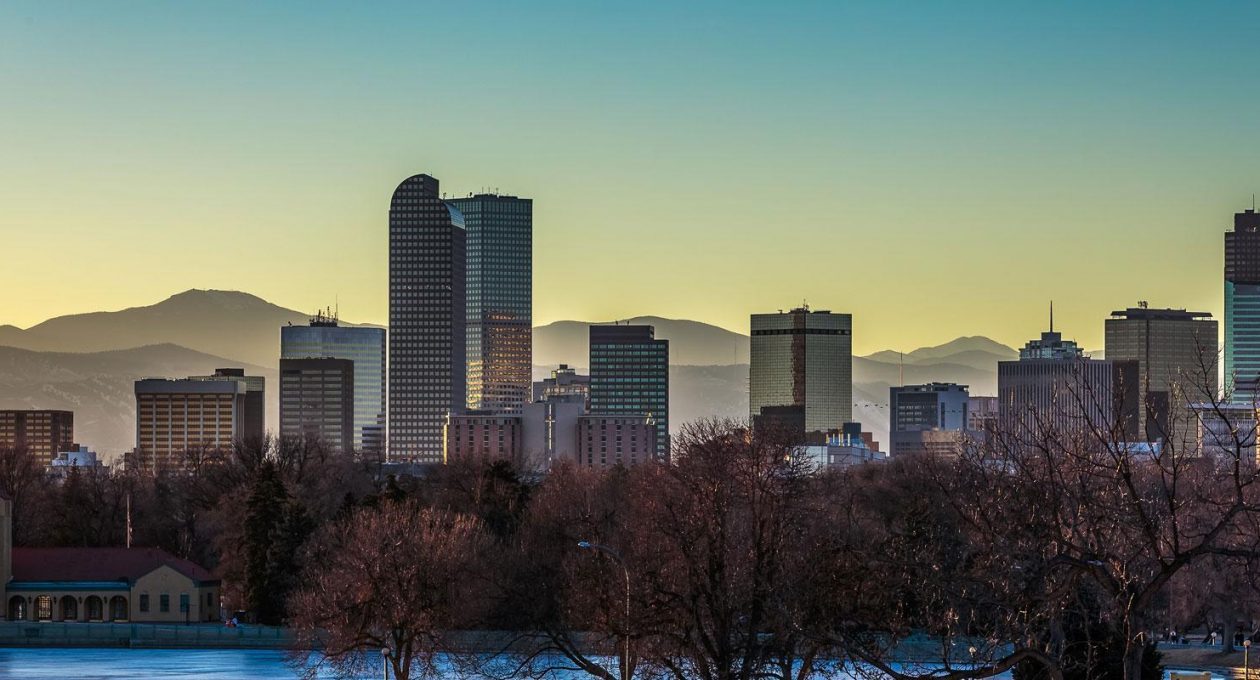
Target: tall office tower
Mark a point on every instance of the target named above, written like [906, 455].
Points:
[802, 369]
[254, 424]
[42, 433]
[427, 370]
[1055, 389]
[1242, 308]
[922, 417]
[179, 420]
[630, 377]
[500, 300]
[1176, 355]
[317, 400]
[366, 348]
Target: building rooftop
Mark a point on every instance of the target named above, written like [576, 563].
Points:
[98, 564]
[1143, 313]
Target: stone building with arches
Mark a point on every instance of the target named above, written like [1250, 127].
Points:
[141, 585]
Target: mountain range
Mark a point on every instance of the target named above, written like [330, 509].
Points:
[87, 362]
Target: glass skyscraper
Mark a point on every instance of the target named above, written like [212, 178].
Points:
[630, 377]
[427, 371]
[366, 348]
[499, 234]
[1242, 308]
[801, 369]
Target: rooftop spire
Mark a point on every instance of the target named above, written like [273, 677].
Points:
[1052, 316]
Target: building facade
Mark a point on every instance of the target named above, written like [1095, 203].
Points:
[499, 288]
[317, 400]
[427, 319]
[1176, 355]
[608, 441]
[324, 337]
[923, 418]
[1054, 389]
[564, 381]
[1242, 308]
[630, 377]
[254, 419]
[179, 420]
[42, 433]
[802, 359]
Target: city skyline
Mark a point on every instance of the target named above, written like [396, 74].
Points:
[1048, 137]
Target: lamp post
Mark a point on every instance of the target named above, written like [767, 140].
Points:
[625, 660]
[385, 652]
[1246, 658]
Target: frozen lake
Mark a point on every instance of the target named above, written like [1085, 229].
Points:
[162, 664]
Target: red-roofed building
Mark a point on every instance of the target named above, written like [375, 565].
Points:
[102, 584]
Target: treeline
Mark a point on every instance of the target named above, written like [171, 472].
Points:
[1059, 556]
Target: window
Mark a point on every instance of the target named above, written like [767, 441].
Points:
[144, 602]
[183, 603]
[164, 603]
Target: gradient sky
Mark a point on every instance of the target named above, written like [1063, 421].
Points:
[935, 168]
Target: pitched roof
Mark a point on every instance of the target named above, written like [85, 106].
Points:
[97, 564]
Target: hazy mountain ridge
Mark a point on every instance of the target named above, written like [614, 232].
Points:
[87, 362]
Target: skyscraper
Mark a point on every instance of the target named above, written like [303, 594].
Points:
[630, 377]
[1242, 308]
[366, 348]
[801, 368]
[1175, 351]
[427, 318]
[317, 400]
[499, 258]
[1055, 389]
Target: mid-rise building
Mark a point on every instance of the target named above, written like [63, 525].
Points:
[80, 458]
[317, 400]
[325, 337]
[608, 441]
[926, 418]
[630, 377]
[482, 435]
[499, 256]
[254, 423]
[564, 381]
[802, 360]
[1175, 351]
[41, 433]
[179, 422]
[427, 319]
[1225, 431]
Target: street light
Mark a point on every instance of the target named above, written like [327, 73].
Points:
[587, 545]
[1246, 659]
[385, 652]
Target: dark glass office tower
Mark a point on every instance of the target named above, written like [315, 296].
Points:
[499, 233]
[1242, 308]
[630, 377]
[426, 319]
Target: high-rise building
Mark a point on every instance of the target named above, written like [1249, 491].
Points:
[178, 421]
[919, 414]
[1242, 308]
[499, 235]
[427, 319]
[1177, 364]
[42, 433]
[1055, 389]
[366, 348]
[802, 360]
[254, 424]
[317, 400]
[630, 377]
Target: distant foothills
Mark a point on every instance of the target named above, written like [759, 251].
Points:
[88, 362]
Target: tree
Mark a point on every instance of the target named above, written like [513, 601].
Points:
[398, 576]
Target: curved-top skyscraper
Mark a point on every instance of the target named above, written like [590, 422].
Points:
[426, 319]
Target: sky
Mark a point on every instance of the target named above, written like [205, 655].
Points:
[937, 169]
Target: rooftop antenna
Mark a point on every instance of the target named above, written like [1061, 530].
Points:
[1052, 316]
